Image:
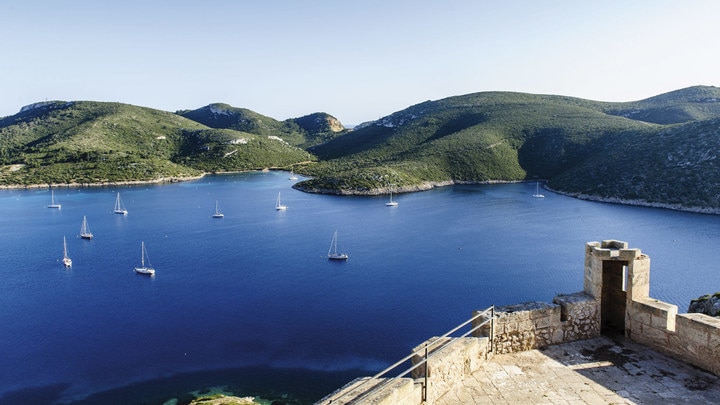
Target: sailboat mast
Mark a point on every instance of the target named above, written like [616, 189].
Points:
[142, 254]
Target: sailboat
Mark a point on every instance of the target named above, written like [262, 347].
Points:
[292, 175]
[66, 260]
[119, 207]
[391, 203]
[53, 204]
[143, 269]
[333, 253]
[278, 204]
[217, 213]
[85, 230]
[537, 191]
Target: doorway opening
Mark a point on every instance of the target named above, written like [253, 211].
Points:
[614, 295]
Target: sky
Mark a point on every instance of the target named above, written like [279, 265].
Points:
[358, 60]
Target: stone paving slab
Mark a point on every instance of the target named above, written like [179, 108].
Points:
[596, 371]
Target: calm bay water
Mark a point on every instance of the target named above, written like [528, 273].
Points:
[250, 301]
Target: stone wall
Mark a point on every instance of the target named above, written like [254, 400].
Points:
[692, 338]
[534, 325]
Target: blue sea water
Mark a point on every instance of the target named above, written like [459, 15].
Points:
[251, 301]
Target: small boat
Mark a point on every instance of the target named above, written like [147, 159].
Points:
[53, 204]
[143, 269]
[278, 204]
[333, 253]
[292, 175]
[217, 213]
[537, 191]
[66, 260]
[85, 230]
[391, 203]
[119, 207]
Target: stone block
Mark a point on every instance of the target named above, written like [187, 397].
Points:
[629, 253]
[614, 244]
[657, 314]
[547, 322]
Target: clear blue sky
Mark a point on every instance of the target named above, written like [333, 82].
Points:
[357, 60]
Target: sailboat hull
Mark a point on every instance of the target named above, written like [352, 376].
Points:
[337, 256]
[148, 271]
[87, 236]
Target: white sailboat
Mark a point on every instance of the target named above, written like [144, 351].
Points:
[333, 253]
[143, 269]
[391, 203]
[85, 230]
[217, 213]
[292, 175]
[53, 204]
[66, 260]
[278, 204]
[119, 207]
[537, 191]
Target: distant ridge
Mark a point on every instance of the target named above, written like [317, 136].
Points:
[303, 132]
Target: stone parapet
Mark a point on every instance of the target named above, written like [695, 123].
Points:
[533, 325]
[526, 326]
[579, 316]
[696, 341]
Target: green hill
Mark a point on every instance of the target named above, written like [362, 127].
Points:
[677, 166]
[90, 142]
[301, 132]
[496, 136]
[690, 104]
[654, 151]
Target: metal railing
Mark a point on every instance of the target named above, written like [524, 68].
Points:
[428, 351]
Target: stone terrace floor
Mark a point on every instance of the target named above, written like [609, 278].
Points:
[602, 370]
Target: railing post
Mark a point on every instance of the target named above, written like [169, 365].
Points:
[492, 328]
[427, 370]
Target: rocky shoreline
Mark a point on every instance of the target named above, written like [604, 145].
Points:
[160, 180]
[424, 186]
[639, 203]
